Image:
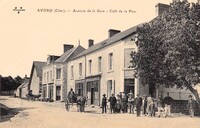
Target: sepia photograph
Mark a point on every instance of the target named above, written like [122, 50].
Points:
[100, 64]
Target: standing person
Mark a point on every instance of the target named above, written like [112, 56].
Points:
[167, 102]
[144, 105]
[138, 104]
[152, 108]
[124, 102]
[71, 96]
[131, 103]
[104, 103]
[112, 101]
[118, 104]
[191, 104]
[149, 101]
[159, 104]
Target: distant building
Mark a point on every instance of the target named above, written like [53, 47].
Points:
[35, 83]
[54, 80]
[23, 89]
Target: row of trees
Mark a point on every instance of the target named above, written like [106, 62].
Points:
[169, 48]
[9, 83]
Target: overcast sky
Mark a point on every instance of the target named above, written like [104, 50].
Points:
[32, 35]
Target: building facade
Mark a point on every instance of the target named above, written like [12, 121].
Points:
[54, 73]
[104, 68]
[36, 77]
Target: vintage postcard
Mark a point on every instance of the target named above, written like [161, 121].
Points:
[99, 63]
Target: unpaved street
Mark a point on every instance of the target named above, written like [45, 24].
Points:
[35, 114]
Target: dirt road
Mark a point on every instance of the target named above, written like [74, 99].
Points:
[34, 114]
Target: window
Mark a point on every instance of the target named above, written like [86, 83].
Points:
[51, 76]
[72, 72]
[129, 58]
[44, 77]
[47, 76]
[110, 61]
[90, 66]
[99, 64]
[80, 69]
[58, 73]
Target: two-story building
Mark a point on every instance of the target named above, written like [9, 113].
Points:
[105, 68]
[54, 73]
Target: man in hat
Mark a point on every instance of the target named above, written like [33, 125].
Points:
[112, 101]
[104, 103]
[138, 104]
[144, 104]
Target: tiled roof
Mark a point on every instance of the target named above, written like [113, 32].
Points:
[25, 83]
[70, 53]
[38, 66]
[64, 56]
[115, 38]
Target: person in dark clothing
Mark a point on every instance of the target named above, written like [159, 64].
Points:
[112, 101]
[138, 104]
[104, 103]
[144, 104]
[124, 103]
[168, 102]
[71, 96]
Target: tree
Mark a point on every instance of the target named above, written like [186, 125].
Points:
[18, 82]
[169, 48]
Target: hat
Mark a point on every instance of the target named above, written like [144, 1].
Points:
[104, 94]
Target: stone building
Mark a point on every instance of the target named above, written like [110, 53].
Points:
[54, 73]
[105, 67]
[23, 89]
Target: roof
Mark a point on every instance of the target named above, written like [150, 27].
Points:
[25, 83]
[38, 65]
[64, 56]
[115, 38]
[70, 53]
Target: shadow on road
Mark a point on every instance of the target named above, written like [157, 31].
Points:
[21, 109]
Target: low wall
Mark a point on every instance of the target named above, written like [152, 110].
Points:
[181, 106]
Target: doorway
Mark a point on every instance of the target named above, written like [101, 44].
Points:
[58, 88]
[92, 95]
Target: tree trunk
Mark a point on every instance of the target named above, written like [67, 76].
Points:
[194, 91]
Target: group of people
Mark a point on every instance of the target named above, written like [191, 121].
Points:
[147, 105]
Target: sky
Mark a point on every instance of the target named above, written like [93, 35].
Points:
[33, 34]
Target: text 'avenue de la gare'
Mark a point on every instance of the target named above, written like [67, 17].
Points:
[87, 10]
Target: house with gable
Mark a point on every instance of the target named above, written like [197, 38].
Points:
[54, 82]
[35, 83]
[23, 89]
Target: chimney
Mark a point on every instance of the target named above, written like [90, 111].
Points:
[160, 8]
[90, 42]
[112, 32]
[67, 47]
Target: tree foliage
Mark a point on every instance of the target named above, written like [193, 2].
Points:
[169, 48]
[8, 83]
